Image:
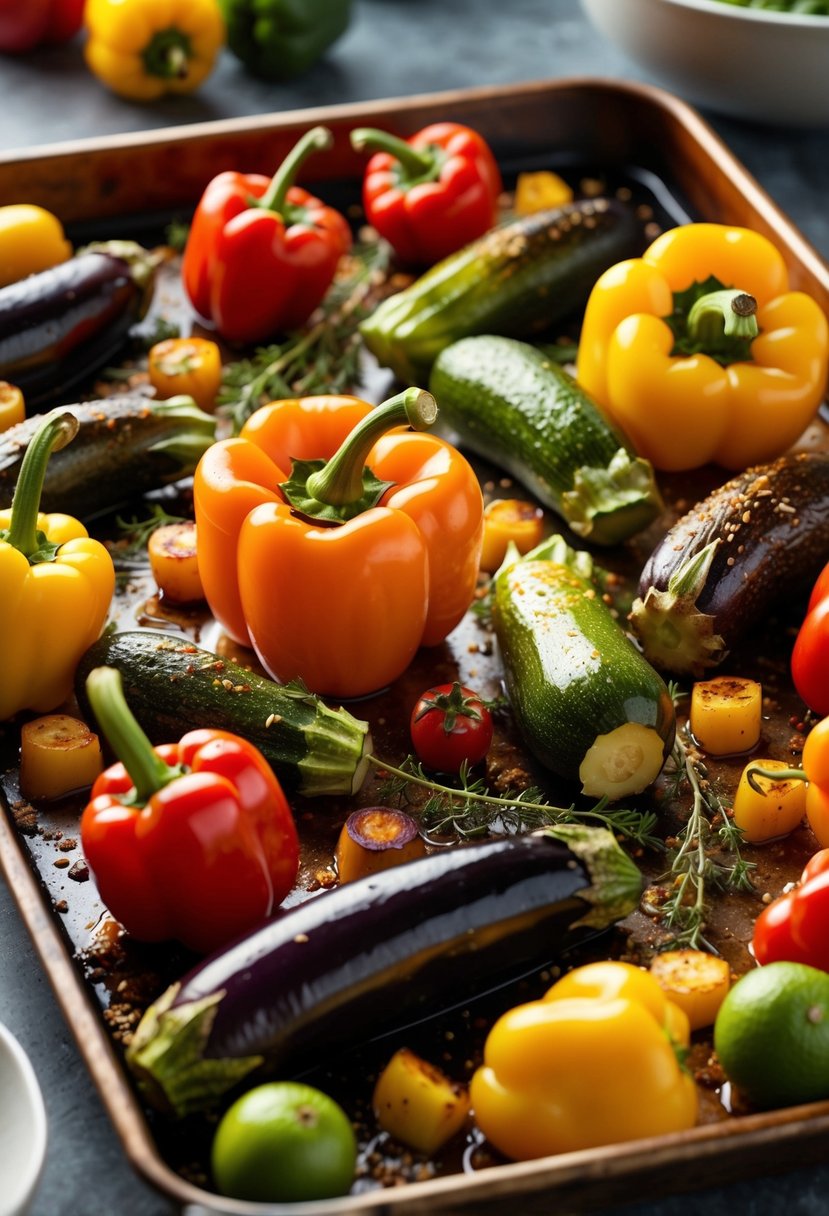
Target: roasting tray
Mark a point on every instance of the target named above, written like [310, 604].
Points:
[629, 135]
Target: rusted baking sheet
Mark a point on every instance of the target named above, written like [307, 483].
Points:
[621, 134]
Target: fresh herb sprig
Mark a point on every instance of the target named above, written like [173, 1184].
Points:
[135, 532]
[471, 809]
[319, 360]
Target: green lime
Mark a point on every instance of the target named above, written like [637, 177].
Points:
[284, 1142]
[772, 1035]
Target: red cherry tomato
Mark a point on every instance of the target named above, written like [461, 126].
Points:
[810, 658]
[793, 928]
[450, 724]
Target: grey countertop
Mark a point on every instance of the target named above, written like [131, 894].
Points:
[393, 48]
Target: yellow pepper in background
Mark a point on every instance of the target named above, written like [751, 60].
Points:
[31, 239]
[592, 1063]
[12, 405]
[56, 585]
[704, 388]
[142, 49]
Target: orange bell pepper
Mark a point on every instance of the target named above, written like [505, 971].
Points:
[339, 573]
[693, 373]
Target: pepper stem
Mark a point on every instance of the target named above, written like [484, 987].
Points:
[58, 429]
[721, 317]
[417, 162]
[340, 481]
[318, 139]
[147, 770]
[753, 771]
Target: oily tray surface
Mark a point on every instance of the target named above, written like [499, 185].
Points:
[86, 952]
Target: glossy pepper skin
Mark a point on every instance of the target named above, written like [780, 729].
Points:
[26, 24]
[31, 239]
[592, 1063]
[342, 603]
[142, 49]
[795, 927]
[56, 585]
[431, 194]
[191, 840]
[281, 39]
[734, 401]
[262, 252]
[810, 654]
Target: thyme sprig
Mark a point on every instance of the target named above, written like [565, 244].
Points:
[696, 866]
[471, 809]
[322, 359]
[136, 532]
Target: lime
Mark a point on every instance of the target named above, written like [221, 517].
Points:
[284, 1142]
[772, 1035]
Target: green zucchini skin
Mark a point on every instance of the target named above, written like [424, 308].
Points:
[510, 403]
[572, 675]
[517, 280]
[126, 445]
[172, 686]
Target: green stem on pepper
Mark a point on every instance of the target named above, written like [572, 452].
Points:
[721, 318]
[754, 771]
[58, 429]
[147, 771]
[318, 139]
[421, 164]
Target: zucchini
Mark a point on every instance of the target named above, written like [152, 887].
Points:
[60, 326]
[586, 702]
[723, 565]
[125, 446]
[171, 685]
[517, 279]
[384, 950]
[513, 405]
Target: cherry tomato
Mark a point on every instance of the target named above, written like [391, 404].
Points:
[284, 1142]
[450, 724]
[810, 658]
[793, 928]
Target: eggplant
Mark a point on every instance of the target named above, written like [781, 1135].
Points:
[391, 948]
[126, 445]
[60, 326]
[723, 565]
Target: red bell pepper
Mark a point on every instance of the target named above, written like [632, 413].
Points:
[25, 24]
[795, 928]
[431, 194]
[262, 252]
[191, 840]
[810, 654]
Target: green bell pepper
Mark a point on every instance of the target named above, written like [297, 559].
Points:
[280, 39]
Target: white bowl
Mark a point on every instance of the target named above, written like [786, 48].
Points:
[741, 61]
[22, 1127]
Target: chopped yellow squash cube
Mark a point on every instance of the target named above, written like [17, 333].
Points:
[58, 754]
[695, 981]
[726, 714]
[774, 813]
[418, 1104]
[505, 520]
[174, 562]
[540, 191]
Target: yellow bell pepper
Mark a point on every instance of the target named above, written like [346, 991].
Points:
[142, 49]
[594, 1062]
[56, 585]
[694, 373]
[31, 239]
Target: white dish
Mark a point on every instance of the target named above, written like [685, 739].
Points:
[22, 1127]
[742, 61]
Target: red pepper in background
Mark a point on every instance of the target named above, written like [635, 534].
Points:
[26, 24]
[810, 655]
[431, 194]
[191, 840]
[262, 252]
[795, 928]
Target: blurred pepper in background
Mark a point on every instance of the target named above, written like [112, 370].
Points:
[26, 24]
[280, 39]
[31, 239]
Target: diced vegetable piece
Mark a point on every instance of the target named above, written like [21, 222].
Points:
[417, 1103]
[695, 981]
[505, 520]
[726, 714]
[174, 562]
[58, 754]
[376, 838]
[775, 812]
[192, 366]
[12, 405]
[540, 191]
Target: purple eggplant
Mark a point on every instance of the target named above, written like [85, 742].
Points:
[60, 326]
[723, 565]
[389, 949]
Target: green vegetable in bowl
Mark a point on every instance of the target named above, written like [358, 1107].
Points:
[808, 8]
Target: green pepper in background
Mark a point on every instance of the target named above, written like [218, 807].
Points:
[280, 39]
